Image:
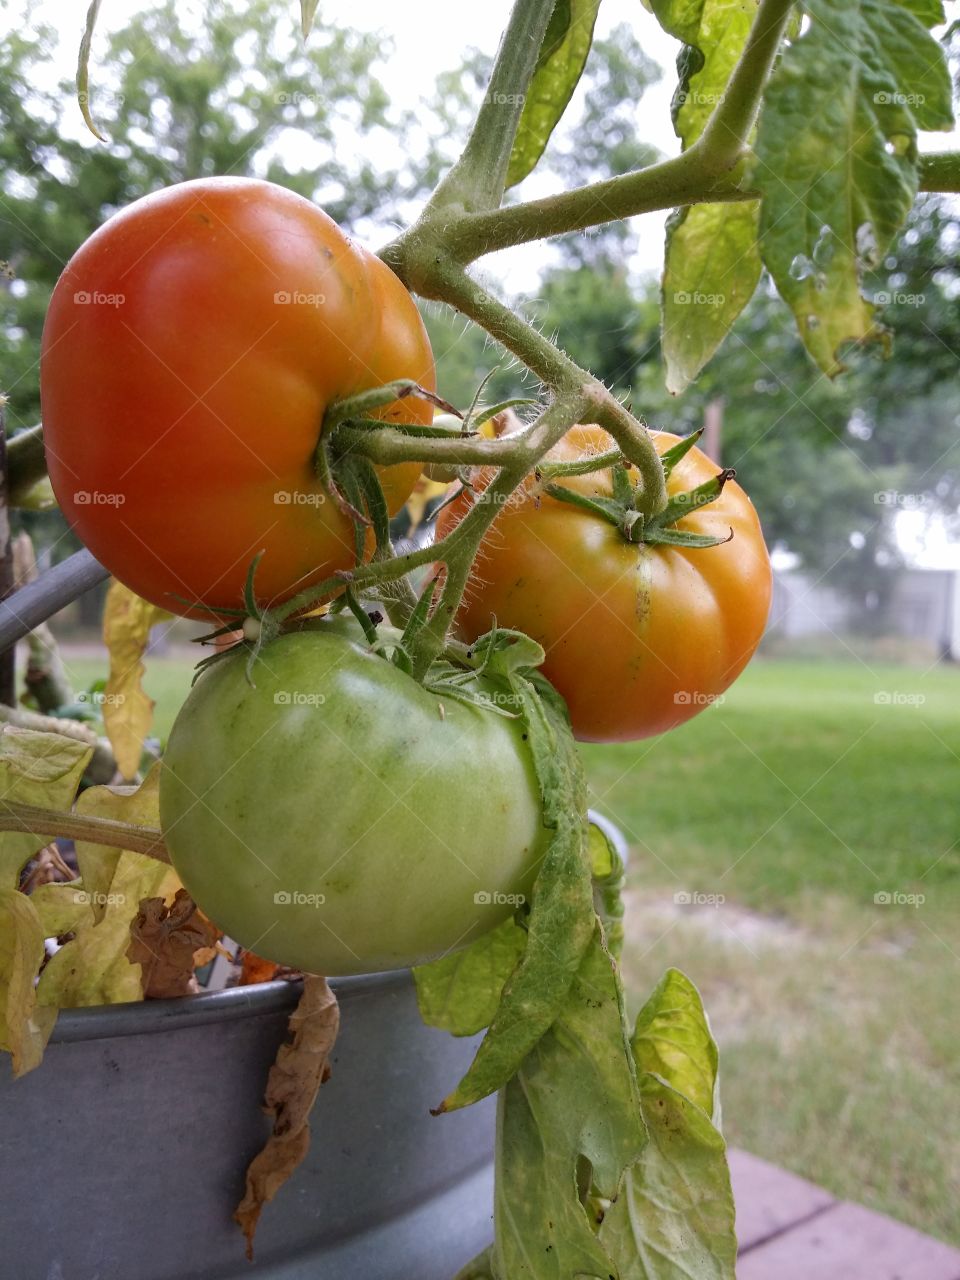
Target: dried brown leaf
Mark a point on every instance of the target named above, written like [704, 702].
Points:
[169, 943]
[292, 1086]
[254, 968]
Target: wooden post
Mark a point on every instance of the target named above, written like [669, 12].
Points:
[8, 658]
[712, 428]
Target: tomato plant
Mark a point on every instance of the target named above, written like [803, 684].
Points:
[219, 358]
[638, 637]
[388, 853]
[190, 351]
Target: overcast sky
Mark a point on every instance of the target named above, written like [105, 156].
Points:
[431, 36]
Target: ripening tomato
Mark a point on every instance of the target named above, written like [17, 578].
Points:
[330, 818]
[638, 637]
[191, 348]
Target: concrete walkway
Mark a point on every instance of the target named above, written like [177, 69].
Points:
[790, 1229]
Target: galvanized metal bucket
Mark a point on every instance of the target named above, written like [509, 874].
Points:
[122, 1156]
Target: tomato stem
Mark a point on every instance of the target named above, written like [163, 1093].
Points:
[82, 826]
[478, 179]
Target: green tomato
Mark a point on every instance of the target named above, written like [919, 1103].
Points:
[338, 818]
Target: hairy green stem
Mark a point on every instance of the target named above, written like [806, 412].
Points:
[82, 826]
[726, 132]
[478, 178]
[458, 550]
[558, 371]
[389, 446]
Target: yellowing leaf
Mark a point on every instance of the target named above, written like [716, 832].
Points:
[98, 863]
[39, 769]
[127, 711]
[24, 1029]
[62, 908]
[93, 967]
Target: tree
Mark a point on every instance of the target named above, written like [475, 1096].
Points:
[239, 94]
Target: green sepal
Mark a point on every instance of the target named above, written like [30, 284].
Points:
[375, 504]
[623, 491]
[366, 622]
[249, 595]
[677, 452]
[346, 490]
[682, 538]
[681, 504]
[607, 508]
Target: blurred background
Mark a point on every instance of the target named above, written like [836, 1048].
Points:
[795, 848]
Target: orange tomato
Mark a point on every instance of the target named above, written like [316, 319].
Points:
[638, 637]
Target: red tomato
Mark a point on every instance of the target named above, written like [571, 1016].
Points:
[638, 637]
[191, 348]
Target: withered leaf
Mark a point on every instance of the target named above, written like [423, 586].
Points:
[292, 1086]
[254, 968]
[169, 943]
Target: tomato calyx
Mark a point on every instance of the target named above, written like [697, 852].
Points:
[625, 507]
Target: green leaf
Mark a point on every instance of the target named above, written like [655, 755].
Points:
[672, 1040]
[712, 260]
[571, 1115]
[460, 992]
[308, 9]
[83, 70]
[714, 32]
[24, 1029]
[674, 1216]
[39, 769]
[607, 870]
[561, 919]
[559, 67]
[838, 159]
[711, 271]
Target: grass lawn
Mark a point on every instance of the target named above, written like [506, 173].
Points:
[793, 803]
[809, 790]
